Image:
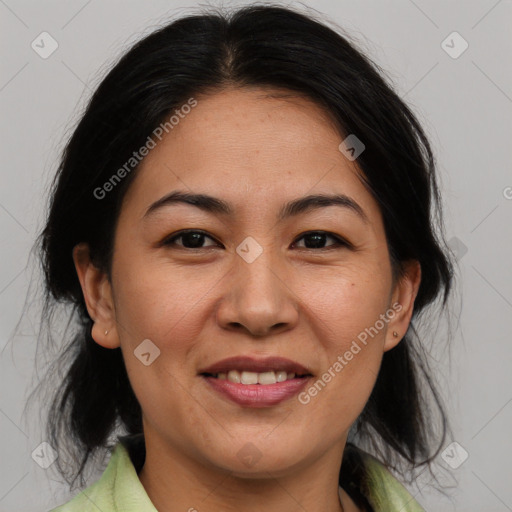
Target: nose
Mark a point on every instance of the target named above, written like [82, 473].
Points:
[258, 298]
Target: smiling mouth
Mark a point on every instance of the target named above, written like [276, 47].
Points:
[262, 378]
[256, 389]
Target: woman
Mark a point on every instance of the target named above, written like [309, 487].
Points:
[242, 220]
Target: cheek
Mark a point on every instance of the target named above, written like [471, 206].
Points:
[158, 300]
[166, 306]
[346, 302]
[346, 314]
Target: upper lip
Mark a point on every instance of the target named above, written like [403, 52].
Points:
[258, 365]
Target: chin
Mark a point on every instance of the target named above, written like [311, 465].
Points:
[251, 461]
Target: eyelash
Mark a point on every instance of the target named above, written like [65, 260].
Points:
[340, 242]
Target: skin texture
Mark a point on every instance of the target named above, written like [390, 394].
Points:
[199, 306]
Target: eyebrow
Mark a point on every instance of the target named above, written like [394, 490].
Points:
[217, 206]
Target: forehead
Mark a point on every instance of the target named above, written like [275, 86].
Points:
[261, 126]
[249, 146]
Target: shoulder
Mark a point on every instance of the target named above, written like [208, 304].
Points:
[386, 493]
[375, 486]
[119, 488]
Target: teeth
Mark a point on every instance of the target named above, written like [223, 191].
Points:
[249, 378]
[267, 378]
[281, 376]
[234, 376]
[263, 378]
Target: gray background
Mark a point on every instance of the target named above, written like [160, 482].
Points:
[465, 104]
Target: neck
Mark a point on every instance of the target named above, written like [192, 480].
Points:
[177, 482]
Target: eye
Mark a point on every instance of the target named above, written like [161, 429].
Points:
[316, 239]
[191, 239]
[194, 239]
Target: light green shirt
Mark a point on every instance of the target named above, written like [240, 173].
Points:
[120, 490]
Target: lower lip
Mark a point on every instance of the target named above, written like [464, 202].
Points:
[257, 395]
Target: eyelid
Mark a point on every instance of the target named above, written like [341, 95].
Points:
[170, 240]
[339, 240]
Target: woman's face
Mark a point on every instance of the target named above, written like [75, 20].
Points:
[256, 285]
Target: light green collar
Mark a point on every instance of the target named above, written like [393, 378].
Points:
[120, 490]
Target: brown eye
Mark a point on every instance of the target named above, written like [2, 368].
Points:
[195, 239]
[190, 239]
[317, 239]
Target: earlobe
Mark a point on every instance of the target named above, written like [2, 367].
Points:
[106, 338]
[97, 293]
[402, 301]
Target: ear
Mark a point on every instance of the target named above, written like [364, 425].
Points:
[97, 292]
[402, 303]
